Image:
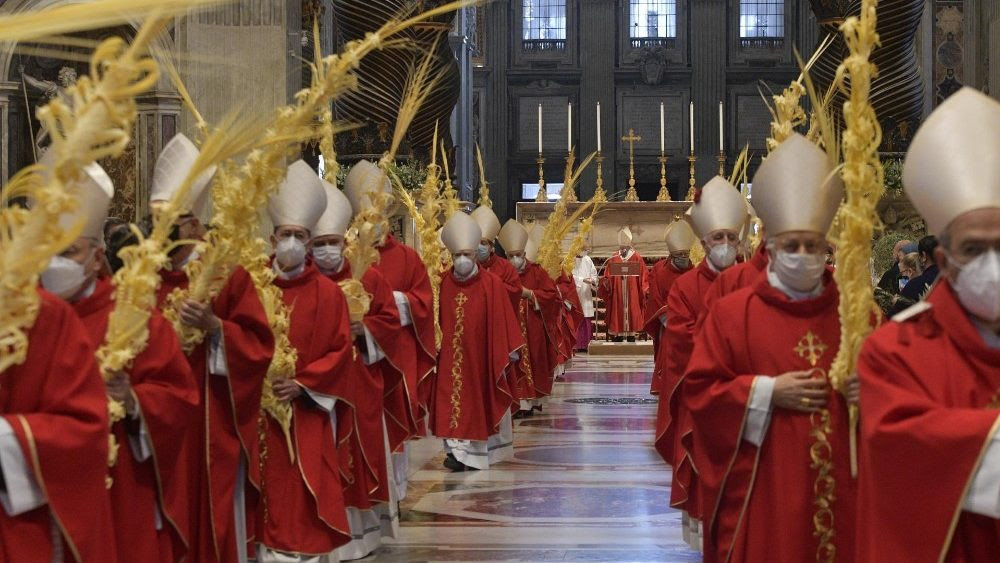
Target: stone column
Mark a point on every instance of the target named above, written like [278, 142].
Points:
[158, 122]
[462, 115]
[708, 81]
[8, 91]
[597, 55]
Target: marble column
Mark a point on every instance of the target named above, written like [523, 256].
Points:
[708, 81]
[599, 86]
[8, 91]
[462, 115]
[158, 122]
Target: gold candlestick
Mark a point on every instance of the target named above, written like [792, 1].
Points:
[570, 159]
[664, 194]
[691, 181]
[599, 195]
[542, 196]
[722, 163]
[631, 138]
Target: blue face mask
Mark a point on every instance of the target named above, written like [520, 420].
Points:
[902, 282]
[482, 252]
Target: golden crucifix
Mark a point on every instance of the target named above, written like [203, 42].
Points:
[631, 139]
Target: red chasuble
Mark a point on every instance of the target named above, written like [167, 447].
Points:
[56, 405]
[572, 313]
[539, 322]
[929, 389]
[759, 504]
[736, 277]
[479, 333]
[661, 278]
[302, 506]
[503, 269]
[402, 268]
[612, 291]
[231, 405]
[381, 393]
[168, 400]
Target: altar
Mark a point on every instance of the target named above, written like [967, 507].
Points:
[646, 219]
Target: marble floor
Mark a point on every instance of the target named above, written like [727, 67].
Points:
[584, 485]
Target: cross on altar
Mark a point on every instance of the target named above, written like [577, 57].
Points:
[631, 139]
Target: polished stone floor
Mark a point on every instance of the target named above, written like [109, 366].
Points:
[584, 484]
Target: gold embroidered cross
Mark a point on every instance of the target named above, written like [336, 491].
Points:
[460, 299]
[811, 348]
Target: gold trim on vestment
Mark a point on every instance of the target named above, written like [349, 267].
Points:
[458, 358]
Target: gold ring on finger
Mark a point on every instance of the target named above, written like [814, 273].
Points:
[805, 401]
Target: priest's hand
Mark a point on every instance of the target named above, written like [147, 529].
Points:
[800, 391]
[120, 389]
[852, 392]
[526, 293]
[357, 329]
[199, 315]
[286, 389]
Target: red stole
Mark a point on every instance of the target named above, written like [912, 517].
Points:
[56, 404]
[479, 333]
[612, 291]
[539, 327]
[402, 268]
[661, 278]
[302, 503]
[168, 400]
[735, 277]
[758, 504]
[380, 394]
[231, 404]
[927, 385]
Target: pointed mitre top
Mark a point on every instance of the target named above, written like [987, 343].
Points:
[680, 237]
[461, 233]
[952, 166]
[624, 236]
[364, 178]
[94, 189]
[487, 221]
[300, 200]
[797, 188]
[513, 236]
[721, 206]
[337, 216]
[172, 166]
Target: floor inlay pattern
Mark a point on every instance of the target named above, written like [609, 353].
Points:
[584, 483]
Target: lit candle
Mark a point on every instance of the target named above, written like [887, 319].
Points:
[691, 125]
[569, 127]
[539, 128]
[721, 145]
[598, 126]
[661, 127]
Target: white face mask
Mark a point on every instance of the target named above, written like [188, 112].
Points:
[328, 257]
[518, 262]
[482, 252]
[978, 286]
[463, 265]
[64, 277]
[801, 272]
[290, 253]
[722, 255]
[681, 262]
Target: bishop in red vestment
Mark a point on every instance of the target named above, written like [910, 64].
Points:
[739, 276]
[380, 401]
[54, 446]
[770, 435]
[480, 339]
[486, 254]
[572, 313]
[930, 385]
[716, 216]
[679, 238]
[624, 296]
[229, 367]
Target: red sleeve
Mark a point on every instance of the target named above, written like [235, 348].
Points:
[382, 318]
[325, 371]
[918, 454]
[61, 423]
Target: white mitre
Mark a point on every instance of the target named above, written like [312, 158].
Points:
[337, 216]
[680, 237]
[953, 165]
[94, 190]
[300, 200]
[797, 188]
[534, 243]
[172, 166]
[513, 236]
[461, 233]
[365, 178]
[720, 207]
[625, 236]
[487, 221]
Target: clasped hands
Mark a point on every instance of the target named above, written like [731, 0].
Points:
[286, 389]
[120, 389]
[200, 315]
[803, 391]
